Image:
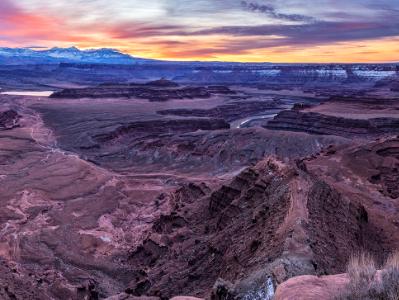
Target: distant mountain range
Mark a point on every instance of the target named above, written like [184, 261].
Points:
[14, 56]
[74, 55]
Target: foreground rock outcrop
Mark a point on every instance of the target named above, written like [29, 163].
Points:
[280, 222]
[312, 288]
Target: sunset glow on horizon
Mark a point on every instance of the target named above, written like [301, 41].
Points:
[245, 31]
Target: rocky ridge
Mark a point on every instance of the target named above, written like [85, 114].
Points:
[229, 112]
[290, 223]
[159, 90]
[141, 130]
[316, 123]
[369, 174]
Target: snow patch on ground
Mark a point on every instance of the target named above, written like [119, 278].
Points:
[374, 73]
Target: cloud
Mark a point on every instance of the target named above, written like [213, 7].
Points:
[315, 33]
[142, 30]
[270, 11]
[7, 10]
[23, 28]
[203, 28]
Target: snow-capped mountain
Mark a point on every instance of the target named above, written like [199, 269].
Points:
[69, 55]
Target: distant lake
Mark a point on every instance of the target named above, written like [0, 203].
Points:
[28, 93]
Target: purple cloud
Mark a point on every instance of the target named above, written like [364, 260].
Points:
[314, 33]
[271, 12]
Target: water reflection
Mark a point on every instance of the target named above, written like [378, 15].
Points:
[28, 93]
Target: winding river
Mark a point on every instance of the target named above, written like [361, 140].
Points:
[28, 93]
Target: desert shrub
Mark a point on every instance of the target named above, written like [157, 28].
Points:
[361, 272]
[389, 283]
[366, 284]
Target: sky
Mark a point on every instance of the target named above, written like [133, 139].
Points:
[234, 30]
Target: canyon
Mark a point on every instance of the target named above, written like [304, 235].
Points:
[224, 181]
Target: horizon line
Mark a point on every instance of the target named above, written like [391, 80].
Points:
[44, 48]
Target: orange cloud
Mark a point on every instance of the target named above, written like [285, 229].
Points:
[222, 48]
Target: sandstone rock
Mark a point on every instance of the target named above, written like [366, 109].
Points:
[220, 89]
[281, 222]
[159, 90]
[163, 83]
[181, 212]
[311, 288]
[228, 112]
[316, 123]
[158, 127]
